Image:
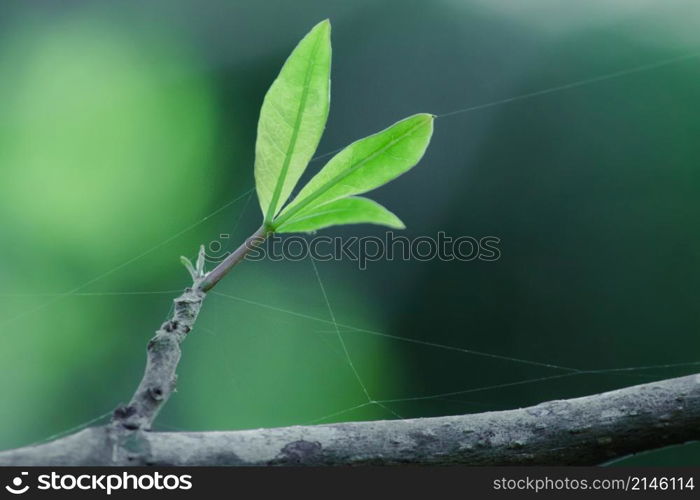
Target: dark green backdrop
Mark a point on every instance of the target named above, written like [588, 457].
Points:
[123, 125]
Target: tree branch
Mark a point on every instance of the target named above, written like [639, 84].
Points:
[582, 431]
[163, 356]
[164, 352]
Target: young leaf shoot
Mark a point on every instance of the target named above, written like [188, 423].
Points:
[292, 119]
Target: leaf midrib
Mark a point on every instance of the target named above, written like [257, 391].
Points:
[325, 187]
[295, 134]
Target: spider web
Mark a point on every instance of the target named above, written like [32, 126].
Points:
[340, 331]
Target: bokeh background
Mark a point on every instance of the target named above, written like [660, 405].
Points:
[127, 133]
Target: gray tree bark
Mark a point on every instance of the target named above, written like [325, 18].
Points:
[582, 431]
[163, 356]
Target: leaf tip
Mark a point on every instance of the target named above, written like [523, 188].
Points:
[424, 119]
[396, 223]
[324, 25]
[430, 122]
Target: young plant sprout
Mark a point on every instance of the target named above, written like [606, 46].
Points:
[291, 123]
[292, 120]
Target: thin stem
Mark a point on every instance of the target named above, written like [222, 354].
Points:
[213, 277]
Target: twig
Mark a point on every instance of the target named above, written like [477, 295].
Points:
[234, 258]
[164, 351]
[163, 356]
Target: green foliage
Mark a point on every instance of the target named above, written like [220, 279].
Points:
[292, 119]
[343, 211]
[90, 118]
[291, 123]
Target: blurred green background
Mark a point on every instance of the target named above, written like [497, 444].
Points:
[127, 133]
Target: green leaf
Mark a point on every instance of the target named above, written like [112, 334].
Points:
[364, 165]
[292, 119]
[353, 210]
